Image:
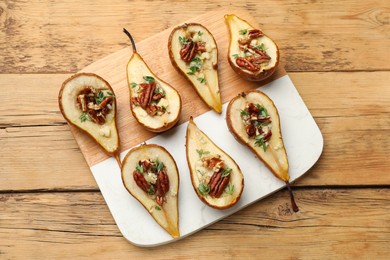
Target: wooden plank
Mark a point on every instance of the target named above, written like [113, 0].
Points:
[42, 158]
[333, 223]
[354, 125]
[48, 156]
[33, 99]
[40, 36]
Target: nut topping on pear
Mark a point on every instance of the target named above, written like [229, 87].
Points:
[252, 54]
[88, 102]
[254, 121]
[154, 103]
[215, 176]
[150, 175]
[193, 52]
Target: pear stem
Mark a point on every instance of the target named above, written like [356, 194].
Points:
[293, 204]
[131, 39]
[118, 159]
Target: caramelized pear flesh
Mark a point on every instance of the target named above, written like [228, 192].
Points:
[150, 175]
[193, 52]
[254, 121]
[215, 176]
[155, 104]
[252, 55]
[88, 102]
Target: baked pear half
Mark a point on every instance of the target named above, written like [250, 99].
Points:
[252, 55]
[154, 103]
[150, 174]
[193, 52]
[215, 176]
[88, 102]
[254, 121]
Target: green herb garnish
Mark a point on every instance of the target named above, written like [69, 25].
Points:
[262, 110]
[159, 90]
[226, 172]
[260, 47]
[243, 32]
[244, 113]
[84, 117]
[202, 80]
[230, 188]
[139, 168]
[204, 189]
[183, 40]
[196, 59]
[259, 141]
[195, 65]
[99, 97]
[158, 166]
[200, 172]
[192, 71]
[200, 33]
[157, 208]
[201, 152]
[133, 84]
[148, 79]
[151, 190]
[235, 56]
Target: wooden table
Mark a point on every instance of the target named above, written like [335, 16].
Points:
[337, 54]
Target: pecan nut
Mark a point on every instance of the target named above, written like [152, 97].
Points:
[147, 94]
[141, 182]
[254, 33]
[243, 62]
[218, 184]
[250, 130]
[162, 186]
[188, 51]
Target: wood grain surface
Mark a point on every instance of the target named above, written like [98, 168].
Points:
[343, 223]
[337, 54]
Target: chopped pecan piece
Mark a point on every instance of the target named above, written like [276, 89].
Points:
[251, 130]
[252, 108]
[105, 102]
[87, 102]
[83, 102]
[157, 96]
[254, 33]
[244, 62]
[267, 136]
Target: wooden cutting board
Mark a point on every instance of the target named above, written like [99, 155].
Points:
[154, 51]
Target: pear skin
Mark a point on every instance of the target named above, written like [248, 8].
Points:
[166, 215]
[199, 148]
[272, 153]
[106, 134]
[201, 68]
[240, 29]
[138, 73]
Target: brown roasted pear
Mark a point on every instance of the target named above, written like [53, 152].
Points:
[254, 121]
[252, 55]
[88, 102]
[215, 176]
[150, 174]
[154, 103]
[193, 52]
